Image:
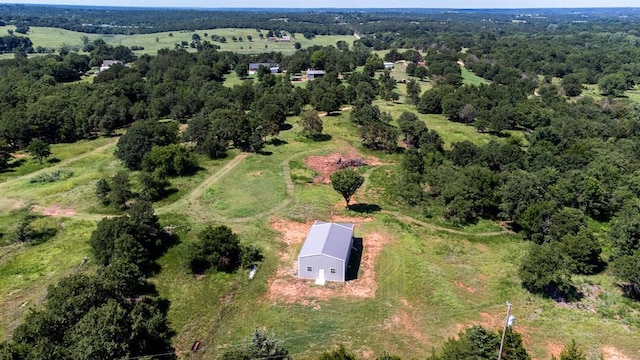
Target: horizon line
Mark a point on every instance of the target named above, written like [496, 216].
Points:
[320, 8]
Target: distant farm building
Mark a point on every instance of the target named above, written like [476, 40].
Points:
[106, 64]
[314, 74]
[296, 77]
[325, 253]
[388, 65]
[274, 68]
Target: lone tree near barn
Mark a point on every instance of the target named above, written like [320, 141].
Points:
[346, 182]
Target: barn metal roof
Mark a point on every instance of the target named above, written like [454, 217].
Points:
[331, 239]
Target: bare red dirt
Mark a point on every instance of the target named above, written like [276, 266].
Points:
[287, 287]
[326, 165]
[55, 210]
[611, 353]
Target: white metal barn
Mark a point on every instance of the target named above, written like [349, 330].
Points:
[325, 252]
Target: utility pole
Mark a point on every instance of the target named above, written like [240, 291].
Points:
[504, 331]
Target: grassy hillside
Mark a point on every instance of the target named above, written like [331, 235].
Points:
[56, 38]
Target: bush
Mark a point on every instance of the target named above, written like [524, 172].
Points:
[54, 176]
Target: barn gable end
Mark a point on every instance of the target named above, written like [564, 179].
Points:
[325, 252]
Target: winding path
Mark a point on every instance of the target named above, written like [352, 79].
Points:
[62, 163]
[191, 200]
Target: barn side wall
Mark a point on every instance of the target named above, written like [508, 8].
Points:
[321, 262]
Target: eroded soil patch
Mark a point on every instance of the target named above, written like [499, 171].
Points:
[325, 165]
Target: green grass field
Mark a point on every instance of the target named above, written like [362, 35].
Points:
[468, 77]
[421, 281]
[56, 38]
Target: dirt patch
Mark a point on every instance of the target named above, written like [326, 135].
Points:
[611, 353]
[406, 323]
[349, 219]
[55, 210]
[286, 286]
[488, 321]
[461, 285]
[256, 173]
[554, 348]
[326, 165]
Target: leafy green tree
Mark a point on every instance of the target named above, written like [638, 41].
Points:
[124, 278]
[169, 160]
[39, 149]
[242, 70]
[102, 334]
[413, 91]
[346, 182]
[154, 185]
[626, 270]
[311, 124]
[612, 84]
[380, 135]
[217, 247]
[571, 351]
[546, 270]
[24, 231]
[338, 354]
[479, 343]
[260, 346]
[5, 154]
[431, 100]
[120, 190]
[102, 191]
[571, 85]
[412, 128]
[272, 117]
[134, 145]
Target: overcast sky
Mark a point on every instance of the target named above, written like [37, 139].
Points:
[345, 4]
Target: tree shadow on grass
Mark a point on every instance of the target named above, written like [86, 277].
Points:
[571, 294]
[15, 164]
[285, 127]
[276, 142]
[53, 161]
[631, 291]
[321, 137]
[364, 208]
[354, 259]
[42, 235]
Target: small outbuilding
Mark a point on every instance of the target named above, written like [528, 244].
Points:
[314, 74]
[325, 252]
[273, 68]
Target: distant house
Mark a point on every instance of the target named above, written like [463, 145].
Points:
[388, 65]
[421, 64]
[325, 252]
[285, 38]
[313, 74]
[274, 68]
[106, 64]
[296, 77]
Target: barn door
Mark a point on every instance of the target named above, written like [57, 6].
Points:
[320, 280]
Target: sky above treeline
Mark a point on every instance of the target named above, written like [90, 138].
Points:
[452, 4]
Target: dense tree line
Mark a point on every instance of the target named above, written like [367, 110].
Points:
[112, 314]
[581, 162]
